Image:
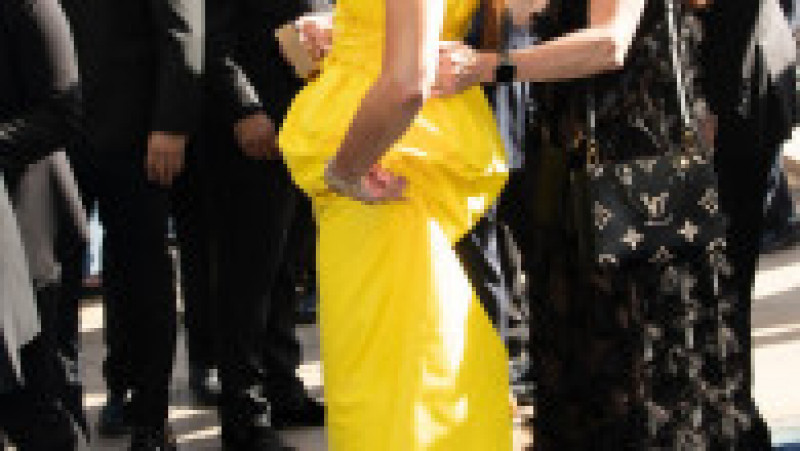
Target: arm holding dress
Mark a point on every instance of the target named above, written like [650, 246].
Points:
[413, 29]
[601, 47]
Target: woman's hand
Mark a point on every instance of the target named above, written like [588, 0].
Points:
[316, 32]
[461, 67]
[379, 185]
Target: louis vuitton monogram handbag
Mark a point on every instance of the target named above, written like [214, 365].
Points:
[654, 209]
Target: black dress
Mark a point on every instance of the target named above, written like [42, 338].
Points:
[642, 358]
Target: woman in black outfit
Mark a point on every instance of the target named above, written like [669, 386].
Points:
[640, 358]
[38, 114]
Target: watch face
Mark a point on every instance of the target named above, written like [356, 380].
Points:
[505, 73]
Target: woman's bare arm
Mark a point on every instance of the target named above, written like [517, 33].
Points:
[601, 47]
[413, 28]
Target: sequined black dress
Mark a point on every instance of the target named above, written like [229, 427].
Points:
[642, 358]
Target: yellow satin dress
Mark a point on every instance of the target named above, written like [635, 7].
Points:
[411, 361]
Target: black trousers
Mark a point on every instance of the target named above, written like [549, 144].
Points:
[32, 417]
[72, 253]
[138, 283]
[39, 415]
[192, 218]
[246, 207]
[282, 353]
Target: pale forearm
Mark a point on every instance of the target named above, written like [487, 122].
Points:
[601, 47]
[385, 113]
[577, 55]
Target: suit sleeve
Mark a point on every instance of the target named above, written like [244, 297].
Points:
[275, 79]
[43, 50]
[229, 86]
[179, 37]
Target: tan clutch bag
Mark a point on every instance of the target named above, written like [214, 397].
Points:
[295, 52]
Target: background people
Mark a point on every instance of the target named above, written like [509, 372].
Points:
[39, 113]
[142, 101]
[240, 194]
[750, 83]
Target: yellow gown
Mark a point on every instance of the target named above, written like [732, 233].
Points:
[411, 360]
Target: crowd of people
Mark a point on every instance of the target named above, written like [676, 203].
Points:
[452, 236]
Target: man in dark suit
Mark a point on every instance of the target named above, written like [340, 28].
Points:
[276, 84]
[242, 190]
[749, 82]
[144, 63]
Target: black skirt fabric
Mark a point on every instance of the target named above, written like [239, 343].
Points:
[641, 358]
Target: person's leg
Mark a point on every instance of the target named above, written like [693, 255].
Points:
[298, 276]
[116, 365]
[245, 262]
[135, 216]
[33, 417]
[189, 208]
[35, 423]
[72, 252]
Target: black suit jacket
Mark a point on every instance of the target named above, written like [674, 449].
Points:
[143, 64]
[39, 96]
[246, 70]
[738, 79]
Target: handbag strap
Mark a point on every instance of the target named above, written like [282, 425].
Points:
[676, 45]
[688, 133]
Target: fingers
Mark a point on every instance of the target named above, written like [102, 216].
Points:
[260, 147]
[257, 137]
[152, 167]
[382, 186]
[455, 63]
[396, 189]
[175, 165]
[165, 158]
[316, 34]
[164, 168]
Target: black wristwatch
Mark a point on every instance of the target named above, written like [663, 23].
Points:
[505, 71]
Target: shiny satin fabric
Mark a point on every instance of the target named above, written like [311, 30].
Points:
[19, 319]
[411, 360]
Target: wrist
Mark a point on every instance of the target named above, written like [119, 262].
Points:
[487, 66]
[341, 171]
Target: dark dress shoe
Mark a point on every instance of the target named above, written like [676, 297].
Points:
[205, 385]
[112, 423]
[304, 412]
[262, 438]
[153, 439]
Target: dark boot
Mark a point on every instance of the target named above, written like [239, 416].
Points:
[247, 426]
[112, 422]
[300, 412]
[252, 438]
[36, 423]
[153, 439]
[291, 406]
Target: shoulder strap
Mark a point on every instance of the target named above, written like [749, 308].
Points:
[675, 48]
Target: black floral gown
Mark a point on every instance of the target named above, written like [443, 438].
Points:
[642, 358]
